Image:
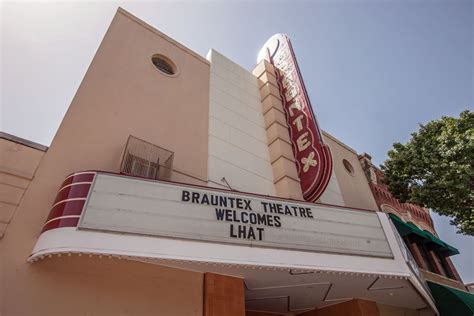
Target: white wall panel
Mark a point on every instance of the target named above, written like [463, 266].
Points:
[241, 156]
[332, 194]
[219, 129]
[250, 110]
[238, 147]
[237, 121]
[238, 178]
[252, 144]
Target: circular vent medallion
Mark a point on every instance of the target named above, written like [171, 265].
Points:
[348, 166]
[164, 65]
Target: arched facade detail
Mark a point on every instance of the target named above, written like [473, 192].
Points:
[386, 208]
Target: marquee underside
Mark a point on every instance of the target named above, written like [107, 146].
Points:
[273, 283]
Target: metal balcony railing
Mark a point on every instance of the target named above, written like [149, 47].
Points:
[144, 159]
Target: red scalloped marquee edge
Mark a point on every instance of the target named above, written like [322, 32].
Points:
[69, 202]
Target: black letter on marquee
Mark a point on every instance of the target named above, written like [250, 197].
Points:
[277, 221]
[247, 205]
[232, 234]
[195, 197]
[219, 214]
[185, 196]
[262, 219]
[246, 219]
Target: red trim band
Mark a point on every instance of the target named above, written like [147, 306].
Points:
[69, 201]
[65, 208]
[61, 222]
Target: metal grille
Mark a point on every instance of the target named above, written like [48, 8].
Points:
[147, 160]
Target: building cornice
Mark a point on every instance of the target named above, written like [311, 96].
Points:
[23, 141]
[326, 134]
[160, 34]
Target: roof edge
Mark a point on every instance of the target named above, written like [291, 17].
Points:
[23, 141]
[338, 141]
[161, 34]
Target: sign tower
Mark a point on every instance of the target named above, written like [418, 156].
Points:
[313, 157]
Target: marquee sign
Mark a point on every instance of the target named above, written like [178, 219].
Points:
[134, 206]
[313, 157]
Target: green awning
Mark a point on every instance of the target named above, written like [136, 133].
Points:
[438, 245]
[435, 240]
[443, 248]
[406, 228]
[452, 302]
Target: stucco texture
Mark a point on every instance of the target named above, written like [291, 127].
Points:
[122, 94]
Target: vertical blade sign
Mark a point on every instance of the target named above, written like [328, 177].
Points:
[313, 157]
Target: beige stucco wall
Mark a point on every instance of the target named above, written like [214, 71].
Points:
[388, 310]
[93, 286]
[354, 188]
[18, 163]
[121, 94]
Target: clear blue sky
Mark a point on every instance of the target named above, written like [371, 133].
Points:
[373, 69]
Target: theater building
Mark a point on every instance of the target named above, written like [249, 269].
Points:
[184, 185]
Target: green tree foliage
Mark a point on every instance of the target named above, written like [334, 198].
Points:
[435, 169]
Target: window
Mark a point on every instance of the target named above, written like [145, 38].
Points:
[446, 267]
[347, 165]
[136, 166]
[164, 64]
[440, 265]
[146, 160]
[426, 257]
